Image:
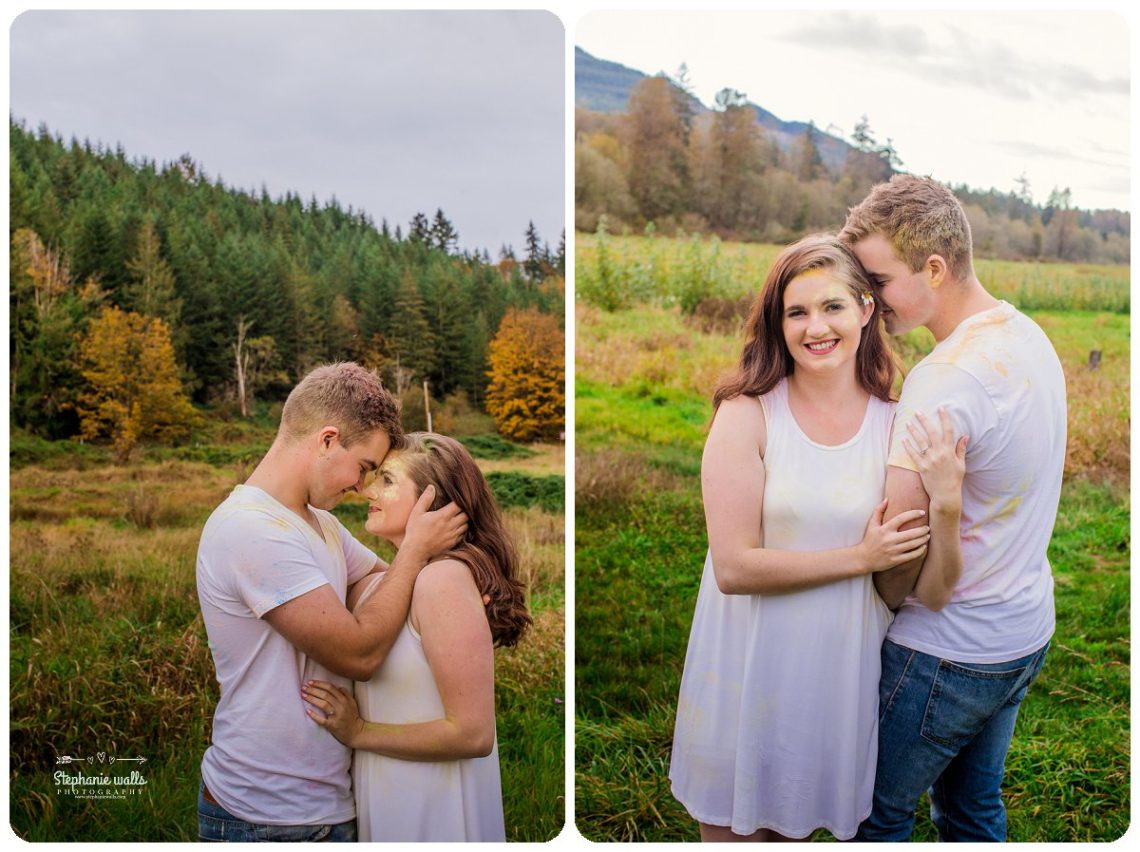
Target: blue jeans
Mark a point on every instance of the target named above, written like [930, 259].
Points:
[217, 824]
[945, 727]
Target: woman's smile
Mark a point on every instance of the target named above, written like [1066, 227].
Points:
[822, 347]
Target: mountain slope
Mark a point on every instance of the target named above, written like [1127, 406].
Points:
[604, 86]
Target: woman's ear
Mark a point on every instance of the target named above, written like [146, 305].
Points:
[868, 303]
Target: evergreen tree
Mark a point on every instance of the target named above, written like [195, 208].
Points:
[150, 288]
[443, 235]
[412, 341]
[419, 230]
[533, 265]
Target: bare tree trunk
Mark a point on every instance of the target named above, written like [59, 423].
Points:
[241, 365]
[427, 406]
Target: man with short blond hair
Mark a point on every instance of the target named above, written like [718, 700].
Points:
[274, 566]
[975, 614]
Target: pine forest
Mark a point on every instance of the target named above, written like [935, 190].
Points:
[142, 295]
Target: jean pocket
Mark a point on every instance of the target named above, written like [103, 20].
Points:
[216, 829]
[297, 833]
[962, 700]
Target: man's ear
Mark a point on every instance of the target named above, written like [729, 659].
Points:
[328, 437]
[938, 270]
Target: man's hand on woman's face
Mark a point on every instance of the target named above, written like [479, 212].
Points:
[433, 533]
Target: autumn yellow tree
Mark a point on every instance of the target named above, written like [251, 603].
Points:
[527, 395]
[133, 390]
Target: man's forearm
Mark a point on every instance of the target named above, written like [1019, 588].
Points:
[383, 614]
[943, 566]
[894, 584]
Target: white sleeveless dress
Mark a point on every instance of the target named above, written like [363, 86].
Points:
[453, 800]
[777, 720]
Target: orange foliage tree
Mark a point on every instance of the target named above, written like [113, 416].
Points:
[133, 389]
[527, 394]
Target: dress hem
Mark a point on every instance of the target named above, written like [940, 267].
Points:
[726, 822]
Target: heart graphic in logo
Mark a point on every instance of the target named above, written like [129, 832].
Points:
[90, 760]
[102, 756]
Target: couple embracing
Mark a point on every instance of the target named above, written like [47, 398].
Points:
[876, 599]
[296, 610]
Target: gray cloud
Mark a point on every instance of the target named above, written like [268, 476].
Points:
[966, 61]
[391, 112]
[860, 32]
[1032, 150]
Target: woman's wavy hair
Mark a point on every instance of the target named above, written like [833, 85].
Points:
[766, 359]
[486, 548]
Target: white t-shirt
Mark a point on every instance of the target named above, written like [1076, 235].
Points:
[1001, 382]
[269, 763]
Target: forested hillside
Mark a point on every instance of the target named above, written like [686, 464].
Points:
[244, 291]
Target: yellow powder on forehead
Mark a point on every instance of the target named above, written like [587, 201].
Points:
[836, 288]
[395, 461]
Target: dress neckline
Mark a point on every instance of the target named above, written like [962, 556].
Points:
[828, 447]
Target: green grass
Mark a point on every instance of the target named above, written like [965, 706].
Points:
[615, 272]
[513, 488]
[495, 447]
[640, 544]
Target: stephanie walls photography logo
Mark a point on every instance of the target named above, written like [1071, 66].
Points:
[99, 776]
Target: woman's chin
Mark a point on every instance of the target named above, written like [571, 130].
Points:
[387, 535]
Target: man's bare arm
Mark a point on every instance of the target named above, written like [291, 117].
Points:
[355, 644]
[904, 491]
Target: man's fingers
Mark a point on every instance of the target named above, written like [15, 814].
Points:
[424, 502]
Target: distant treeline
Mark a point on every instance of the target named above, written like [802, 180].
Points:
[721, 172]
[288, 283]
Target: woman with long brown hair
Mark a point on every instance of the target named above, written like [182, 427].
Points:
[776, 721]
[426, 764]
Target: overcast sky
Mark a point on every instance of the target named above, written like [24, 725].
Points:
[391, 112]
[967, 97]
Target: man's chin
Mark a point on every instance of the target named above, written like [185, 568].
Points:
[893, 326]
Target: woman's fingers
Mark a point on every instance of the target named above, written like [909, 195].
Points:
[904, 518]
[906, 536]
[911, 451]
[947, 425]
[900, 558]
[323, 696]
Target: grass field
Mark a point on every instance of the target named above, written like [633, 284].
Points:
[620, 271]
[108, 653]
[644, 379]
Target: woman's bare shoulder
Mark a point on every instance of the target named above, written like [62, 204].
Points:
[443, 577]
[740, 421]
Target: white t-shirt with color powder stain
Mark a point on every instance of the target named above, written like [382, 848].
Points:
[268, 762]
[999, 378]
